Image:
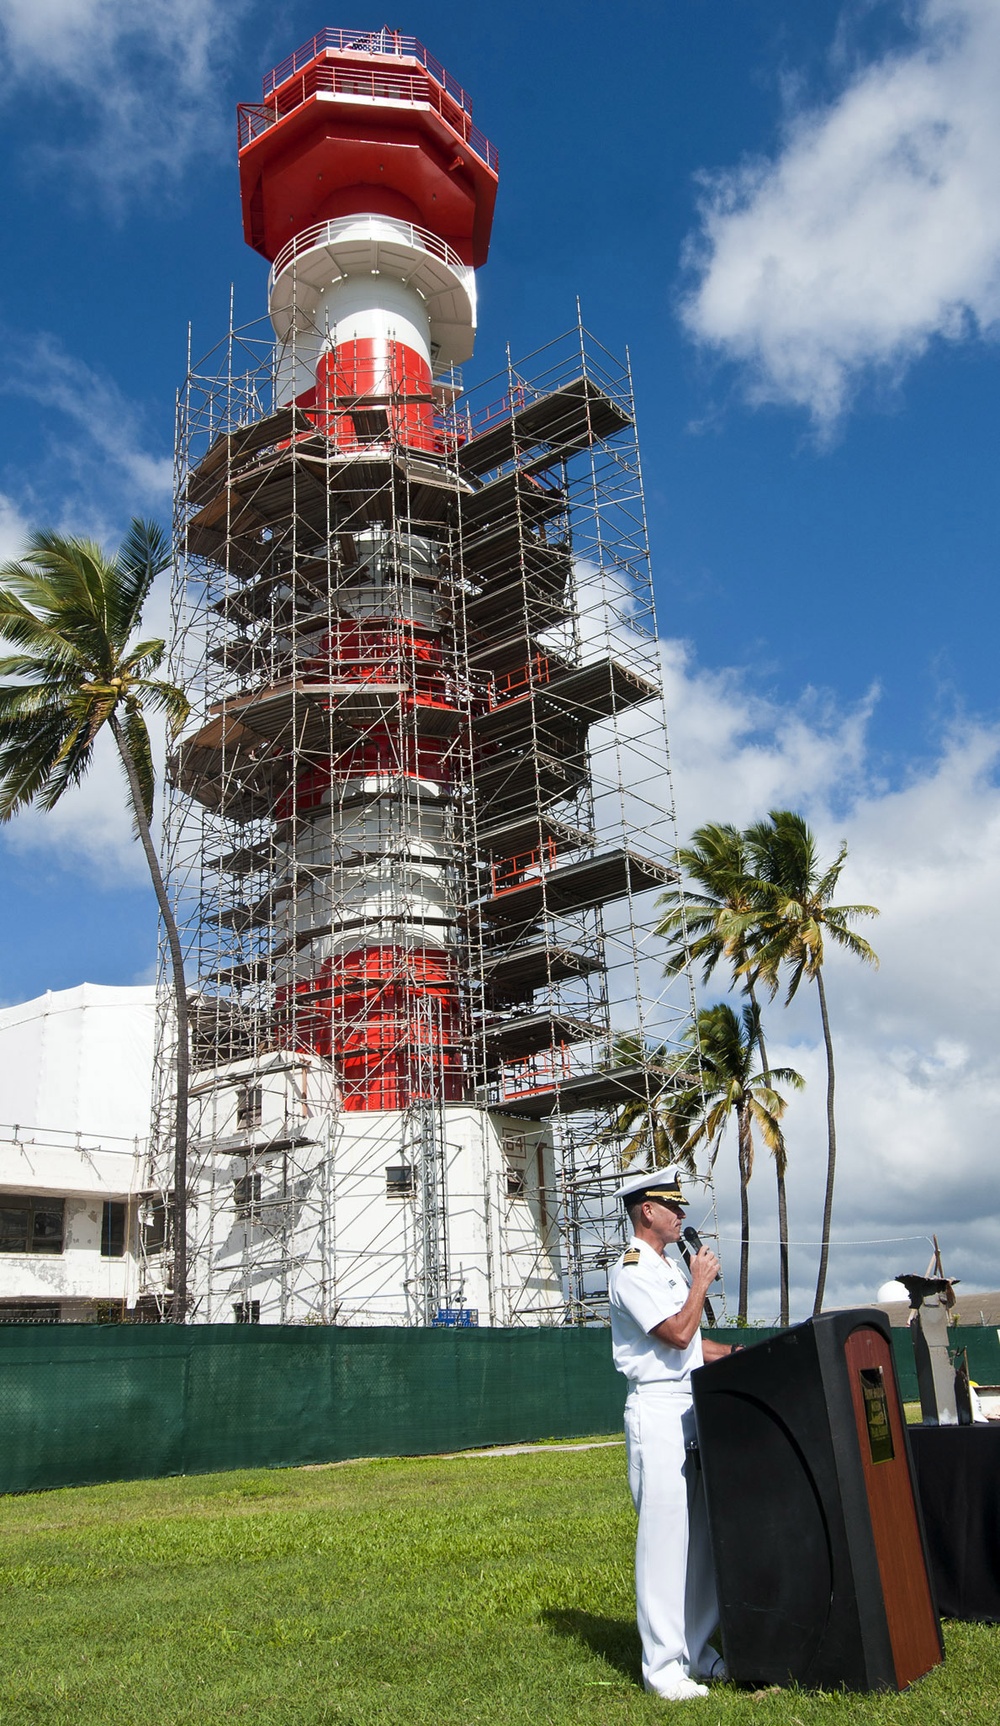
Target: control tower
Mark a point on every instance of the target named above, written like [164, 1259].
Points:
[422, 808]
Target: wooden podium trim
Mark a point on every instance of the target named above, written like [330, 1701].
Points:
[909, 1608]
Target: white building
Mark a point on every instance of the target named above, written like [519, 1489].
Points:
[288, 1193]
[75, 1078]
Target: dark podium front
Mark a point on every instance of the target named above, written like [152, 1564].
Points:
[957, 1470]
[819, 1550]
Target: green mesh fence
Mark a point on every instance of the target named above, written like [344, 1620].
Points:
[81, 1403]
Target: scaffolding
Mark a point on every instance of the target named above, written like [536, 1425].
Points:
[415, 833]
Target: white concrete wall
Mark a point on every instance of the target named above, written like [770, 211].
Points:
[78, 1273]
[330, 1244]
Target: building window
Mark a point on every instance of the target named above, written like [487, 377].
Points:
[246, 1192]
[249, 1106]
[113, 1229]
[31, 1225]
[399, 1181]
[515, 1183]
[247, 1311]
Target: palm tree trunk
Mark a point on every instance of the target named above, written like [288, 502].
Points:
[831, 1156]
[182, 1064]
[779, 1169]
[745, 1157]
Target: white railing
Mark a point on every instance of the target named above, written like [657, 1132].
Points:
[386, 228]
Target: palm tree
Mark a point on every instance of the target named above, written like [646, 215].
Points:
[71, 613]
[713, 925]
[660, 1122]
[726, 1042]
[794, 917]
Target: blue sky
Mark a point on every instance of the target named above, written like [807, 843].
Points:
[789, 214]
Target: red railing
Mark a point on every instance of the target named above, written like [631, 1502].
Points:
[371, 83]
[538, 1073]
[494, 412]
[513, 684]
[333, 41]
[509, 873]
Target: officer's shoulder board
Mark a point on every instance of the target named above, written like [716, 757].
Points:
[632, 1257]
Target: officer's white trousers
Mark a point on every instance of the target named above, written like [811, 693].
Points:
[674, 1579]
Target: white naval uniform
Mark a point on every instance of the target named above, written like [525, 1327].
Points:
[674, 1579]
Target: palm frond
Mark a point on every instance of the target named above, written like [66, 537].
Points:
[854, 944]
[68, 611]
[144, 657]
[143, 554]
[165, 698]
[28, 756]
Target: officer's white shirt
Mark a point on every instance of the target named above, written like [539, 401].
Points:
[643, 1293]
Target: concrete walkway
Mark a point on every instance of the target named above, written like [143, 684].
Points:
[526, 1449]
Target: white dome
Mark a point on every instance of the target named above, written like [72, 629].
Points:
[892, 1291]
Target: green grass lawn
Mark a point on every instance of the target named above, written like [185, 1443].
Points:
[443, 1593]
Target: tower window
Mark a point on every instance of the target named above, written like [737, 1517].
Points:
[399, 1181]
[246, 1194]
[247, 1311]
[113, 1229]
[249, 1106]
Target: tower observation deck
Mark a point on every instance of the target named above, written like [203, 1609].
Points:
[422, 809]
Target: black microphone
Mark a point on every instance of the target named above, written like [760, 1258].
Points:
[695, 1242]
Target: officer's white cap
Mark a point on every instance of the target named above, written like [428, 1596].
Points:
[653, 1184]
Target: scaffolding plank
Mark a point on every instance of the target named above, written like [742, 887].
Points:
[567, 420]
[577, 887]
[538, 610]
[530, 832]
[246, 859]
[516, 497]
[513, 784]
[510, 652]
[529, 1034]
[232, 448]
[601, 1090]
[324, 491]
[587, 693]
[519, 971]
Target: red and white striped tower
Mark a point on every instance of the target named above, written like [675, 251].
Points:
[414, 811]
[366, 185]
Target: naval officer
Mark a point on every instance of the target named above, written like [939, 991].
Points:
[657, 1343]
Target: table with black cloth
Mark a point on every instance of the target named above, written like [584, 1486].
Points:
[957, 1471]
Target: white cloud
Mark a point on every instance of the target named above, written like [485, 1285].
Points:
[144, 78]
[918, 1044]
[741, 753]
[13, 530]
[874, 230]
[98, 444]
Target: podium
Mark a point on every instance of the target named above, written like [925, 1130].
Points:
[819, 1549]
